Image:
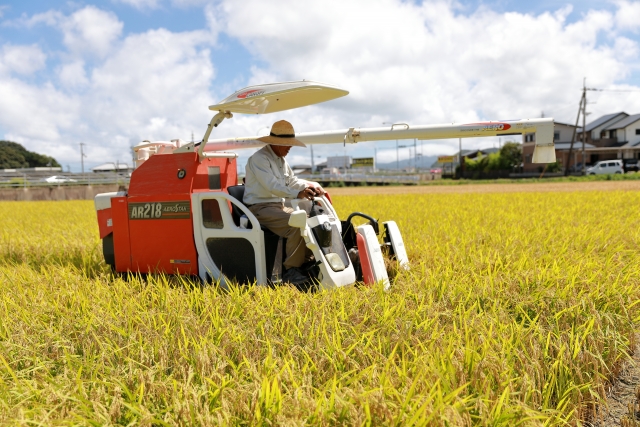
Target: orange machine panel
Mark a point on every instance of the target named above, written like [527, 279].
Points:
[122, 250]
[216, 173]
[164, 174]
[158, 214]
[105, 222]
[161, 233]
[180, 173]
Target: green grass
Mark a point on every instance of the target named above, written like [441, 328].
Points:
[517, 311]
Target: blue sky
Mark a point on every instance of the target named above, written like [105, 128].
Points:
[113, 73]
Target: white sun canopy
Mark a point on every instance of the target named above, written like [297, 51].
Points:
[271, 98]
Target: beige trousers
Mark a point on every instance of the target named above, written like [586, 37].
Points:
[275, 216]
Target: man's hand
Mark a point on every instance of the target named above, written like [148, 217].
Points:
[319, 191]
[311, 192]
[307, 193]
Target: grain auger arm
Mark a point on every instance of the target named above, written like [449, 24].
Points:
[544, 151]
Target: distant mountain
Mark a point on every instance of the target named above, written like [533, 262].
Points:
[14, 155]
[424, 162]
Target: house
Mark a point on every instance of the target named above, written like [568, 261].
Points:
[626, 132]
[112, 167]
[612, 136]
[301, 169]
[562, 137]
[596, 131]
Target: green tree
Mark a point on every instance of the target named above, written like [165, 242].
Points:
[511, 154]
[14, 155]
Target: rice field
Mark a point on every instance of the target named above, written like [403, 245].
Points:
[519, 309]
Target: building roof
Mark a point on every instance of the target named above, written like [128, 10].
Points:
[602, 120]
[555, 122]
[576, 146]
[624, 122]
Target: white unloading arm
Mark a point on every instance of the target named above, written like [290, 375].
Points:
[544, 150]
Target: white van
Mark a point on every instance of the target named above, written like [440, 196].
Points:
[606, 167]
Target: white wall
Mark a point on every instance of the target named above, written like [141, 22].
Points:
[566, 132]
[630, 133]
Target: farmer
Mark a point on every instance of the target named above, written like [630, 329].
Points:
[269, 180]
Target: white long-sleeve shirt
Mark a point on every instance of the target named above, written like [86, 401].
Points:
[269, 178]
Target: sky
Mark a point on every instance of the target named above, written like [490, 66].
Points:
[110, 74]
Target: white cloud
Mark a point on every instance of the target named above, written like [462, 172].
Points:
[157, 74]
[51, 18]
[402, 61]
[141, 4]
[36, 113]
[428, 64]
[21, 59]
[189, 3]
[91, 31]
[87, 31]
[628, 15]
[149, 85]
[72, 75]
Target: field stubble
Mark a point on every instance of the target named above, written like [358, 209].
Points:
[519, 309]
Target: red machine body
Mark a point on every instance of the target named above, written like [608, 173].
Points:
[152, 223]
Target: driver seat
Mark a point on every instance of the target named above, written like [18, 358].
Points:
[237, 191]
[271, 239]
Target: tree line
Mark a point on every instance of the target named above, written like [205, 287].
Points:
[14, 156]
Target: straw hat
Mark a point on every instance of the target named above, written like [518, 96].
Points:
[282, 133]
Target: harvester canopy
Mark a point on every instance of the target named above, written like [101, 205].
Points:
[274, 97]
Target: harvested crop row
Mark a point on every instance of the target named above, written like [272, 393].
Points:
[519, 308]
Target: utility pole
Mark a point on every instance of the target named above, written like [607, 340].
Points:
[460, 156]
[82, 156]
[375, 158]
[581, 109]
[584, 120]
[312, 164]
[415, 155]
[397, 156]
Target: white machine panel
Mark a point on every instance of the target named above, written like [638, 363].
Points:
[330, 277]
[395, 238]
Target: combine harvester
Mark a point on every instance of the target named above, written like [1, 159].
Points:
[183, 211]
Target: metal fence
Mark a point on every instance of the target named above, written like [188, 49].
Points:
[357, 178]
[13, 180]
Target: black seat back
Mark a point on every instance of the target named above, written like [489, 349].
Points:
[236, 191]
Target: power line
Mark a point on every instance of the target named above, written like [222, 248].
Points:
[612, 90]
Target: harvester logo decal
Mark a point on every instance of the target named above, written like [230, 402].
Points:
[490, 126]
[160, 210]
[250, 93]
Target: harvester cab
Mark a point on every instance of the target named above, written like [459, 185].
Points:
[183, 212]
